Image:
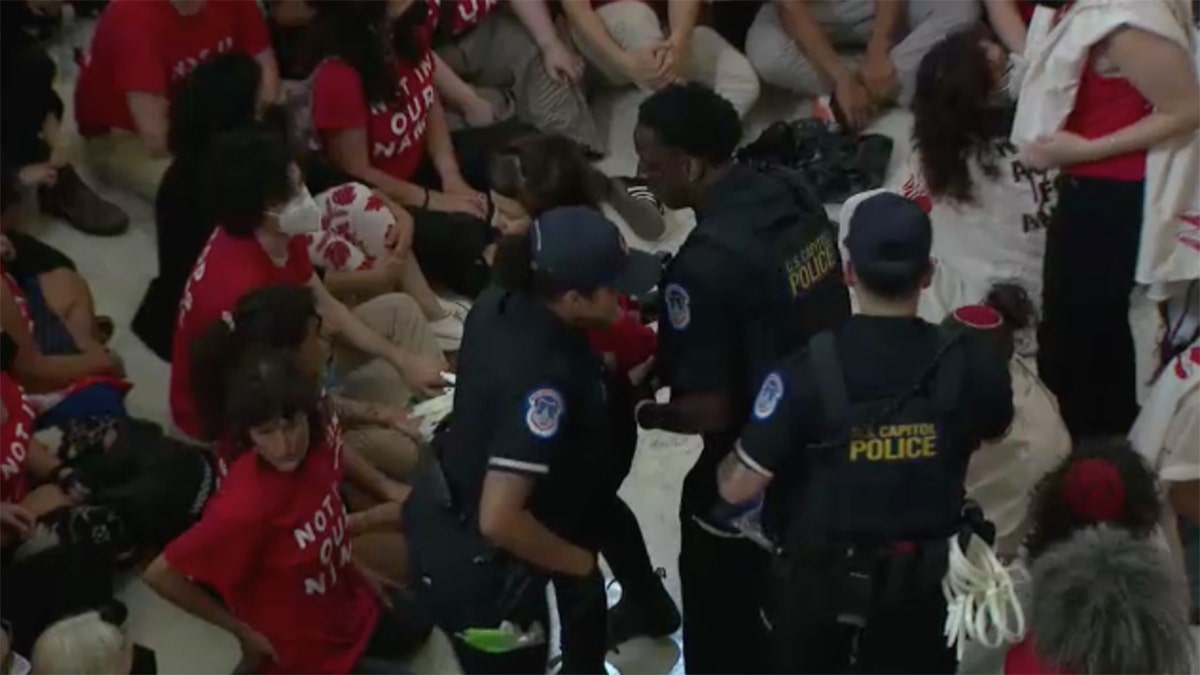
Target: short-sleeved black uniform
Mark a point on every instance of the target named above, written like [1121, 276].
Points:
[759, 275]
[530, 400]
[881, 358]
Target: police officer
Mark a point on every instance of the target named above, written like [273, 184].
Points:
[759, 274]
[864, 437]
[529, 440]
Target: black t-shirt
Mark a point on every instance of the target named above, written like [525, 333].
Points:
[530, 399]
[880, 357]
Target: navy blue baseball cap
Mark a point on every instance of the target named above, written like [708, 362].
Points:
[579, 249]
[889, 233]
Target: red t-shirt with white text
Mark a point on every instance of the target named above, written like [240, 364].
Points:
[148, 46]
[274, 546]
[14, 440]
[228, 268]
[396, 131]
[468, 15]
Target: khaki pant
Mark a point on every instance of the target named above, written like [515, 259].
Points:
[714, 61]
[120, 160]
[499, 54]
[848, 24]
[399, 319]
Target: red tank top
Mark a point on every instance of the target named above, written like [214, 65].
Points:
[1104, 105]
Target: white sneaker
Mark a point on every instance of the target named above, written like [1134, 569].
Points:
[448, 332]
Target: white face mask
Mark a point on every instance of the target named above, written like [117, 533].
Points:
[301, 215]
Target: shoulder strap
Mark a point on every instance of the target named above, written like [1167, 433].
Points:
[950, 373]
[831, 381]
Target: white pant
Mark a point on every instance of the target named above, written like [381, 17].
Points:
[848, 23]
[714, 61]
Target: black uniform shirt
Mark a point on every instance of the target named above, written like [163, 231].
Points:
[880, 357]
[726, 318]
[529, 400]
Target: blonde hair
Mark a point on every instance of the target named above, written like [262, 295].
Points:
[81, 645]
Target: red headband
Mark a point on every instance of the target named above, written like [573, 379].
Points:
[1094, 490]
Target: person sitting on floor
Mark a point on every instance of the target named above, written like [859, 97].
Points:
[31, 132]
[795, 44]
[378, 117]
[273, 542]
[990, 211]
[140, 50]
[491, 66]
[223, 94]
[633, 43]
[46, 307]
[264, 210]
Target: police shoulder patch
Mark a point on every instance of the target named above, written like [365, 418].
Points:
[543, 412]
[768, 397]
[678, 302]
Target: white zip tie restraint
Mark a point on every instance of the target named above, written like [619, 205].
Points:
[981, 601]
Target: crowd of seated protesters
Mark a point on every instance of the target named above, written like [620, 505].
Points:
[333, 182]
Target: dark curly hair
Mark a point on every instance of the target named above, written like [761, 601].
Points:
[245, 172]
[542, 171]
[1066, 500]
[264, 385]
[360, 33]
[693, 118]
[956, 117]
[275, 318]
[219, 95]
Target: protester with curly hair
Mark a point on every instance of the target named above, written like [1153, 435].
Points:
[989, 210]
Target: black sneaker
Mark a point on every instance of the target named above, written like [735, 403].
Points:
[633, 200]
[653, 615]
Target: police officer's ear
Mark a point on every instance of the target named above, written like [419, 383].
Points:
[927, 275]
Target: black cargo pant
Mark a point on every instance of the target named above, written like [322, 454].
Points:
[721, 576]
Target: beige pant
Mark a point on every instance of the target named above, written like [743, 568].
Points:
[399, 319]
[500, 55]
[120, 160]
[848, 24]
[714, 61]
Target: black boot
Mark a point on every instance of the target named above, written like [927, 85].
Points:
[647, 612]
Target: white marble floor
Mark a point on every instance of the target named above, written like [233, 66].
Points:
[119, 268]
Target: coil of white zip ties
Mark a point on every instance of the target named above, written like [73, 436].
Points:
[981, 600]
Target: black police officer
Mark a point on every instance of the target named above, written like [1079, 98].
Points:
[866, 434]
[760, 273]
[529, 438]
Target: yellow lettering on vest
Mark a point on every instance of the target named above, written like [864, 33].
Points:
[875, 449]
[928, 446]
[858, 447]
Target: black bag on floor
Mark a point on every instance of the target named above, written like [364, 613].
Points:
[836, 165]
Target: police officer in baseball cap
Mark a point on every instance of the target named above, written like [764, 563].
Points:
[527, 445]
[760, 274]
[860, 442]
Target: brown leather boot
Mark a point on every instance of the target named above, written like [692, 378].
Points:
[72, 200]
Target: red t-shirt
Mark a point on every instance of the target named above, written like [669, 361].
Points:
[148, 46]
[274, 546]
[228, 268]
[1104, 105]
[395, 131]
[14, 440]
[469, 14]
